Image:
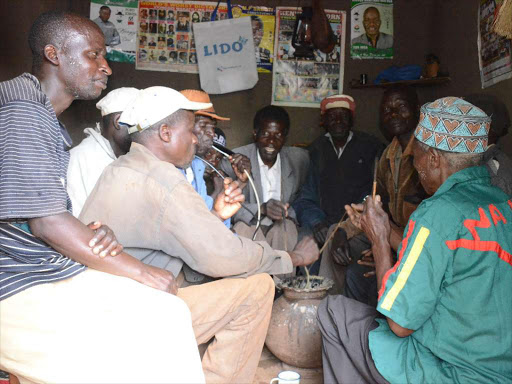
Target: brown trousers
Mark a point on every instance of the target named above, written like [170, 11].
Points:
[277, 237]
[236, 314]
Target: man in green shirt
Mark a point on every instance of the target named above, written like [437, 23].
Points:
[445, 307]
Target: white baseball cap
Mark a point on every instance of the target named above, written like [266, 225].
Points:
[117, 100]
[154, 104]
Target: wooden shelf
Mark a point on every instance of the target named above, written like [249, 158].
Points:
[416, 83]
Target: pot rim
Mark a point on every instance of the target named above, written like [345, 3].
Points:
[326, 284]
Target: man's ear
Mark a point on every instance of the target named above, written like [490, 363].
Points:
[434, 158]
[165, 133]
[116, 121]
[254, 135]
[50, 53]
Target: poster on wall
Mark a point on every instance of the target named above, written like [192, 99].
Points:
[494, 51]
[263, 24]
[166, 40]
[302, 82]
[371, 35]
[118, 21]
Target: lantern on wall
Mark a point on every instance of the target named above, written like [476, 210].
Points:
[302, 40]
[312, 31]
[503, 19]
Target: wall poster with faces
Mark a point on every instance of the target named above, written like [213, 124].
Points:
[165, 38]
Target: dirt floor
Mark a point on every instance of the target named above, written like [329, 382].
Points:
[270, 366]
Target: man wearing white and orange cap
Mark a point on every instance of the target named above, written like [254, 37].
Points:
[101, 147]
[341, 168]
[161, 220]
[204, 127]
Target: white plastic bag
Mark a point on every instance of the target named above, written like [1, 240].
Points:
[225, 53]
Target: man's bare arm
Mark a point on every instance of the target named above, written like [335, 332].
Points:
[70, 237]
[383, 263]
[375, 223]
[396, 235]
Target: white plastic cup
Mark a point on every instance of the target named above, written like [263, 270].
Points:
[286, 377]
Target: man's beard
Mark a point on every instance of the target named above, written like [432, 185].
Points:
[202, 149]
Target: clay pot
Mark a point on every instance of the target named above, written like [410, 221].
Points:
[293, 334]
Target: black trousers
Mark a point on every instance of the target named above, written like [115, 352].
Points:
[345, 324]
[360, 288]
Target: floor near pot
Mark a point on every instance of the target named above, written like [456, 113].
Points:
[270, 366]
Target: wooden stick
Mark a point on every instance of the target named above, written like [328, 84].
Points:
[333, 232]
[325, 245]
[285, 233]
[374, 189]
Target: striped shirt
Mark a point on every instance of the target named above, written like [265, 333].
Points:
[33, 168]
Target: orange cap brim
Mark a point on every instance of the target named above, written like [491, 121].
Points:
[212, 115]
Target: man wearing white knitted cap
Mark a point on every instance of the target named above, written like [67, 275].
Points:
[103, 144]
[159, 217]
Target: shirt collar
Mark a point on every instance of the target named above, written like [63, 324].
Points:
[394, 147]
[462, 176]
[261, 164]
[33, 79]
[95, 133]
[136, 147]
[189, 174]
[340, 152]
[68, 142]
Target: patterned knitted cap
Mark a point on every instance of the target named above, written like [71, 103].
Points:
[338, 101]
[453, 125]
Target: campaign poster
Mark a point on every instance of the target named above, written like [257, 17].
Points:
[165, 38]
[118, 22]
[494, 51]
[301, 82]
[263, 22]
[371, 34]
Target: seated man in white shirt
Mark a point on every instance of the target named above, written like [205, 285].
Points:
[100, 148]
[278, 172]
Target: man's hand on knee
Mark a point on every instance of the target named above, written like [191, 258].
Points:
[159, 279]
[276, 209]
[340, 250]
[320, 232]
[368, 261]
